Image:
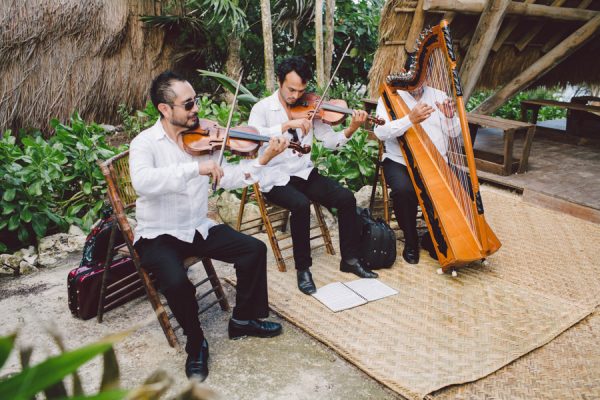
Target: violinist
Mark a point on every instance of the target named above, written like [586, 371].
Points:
[172, 223]
[291, 181]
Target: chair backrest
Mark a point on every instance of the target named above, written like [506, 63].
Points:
[120, 190]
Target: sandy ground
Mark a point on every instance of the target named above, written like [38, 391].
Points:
[291, 366]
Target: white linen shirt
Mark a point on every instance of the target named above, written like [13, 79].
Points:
[172, 195]
[267, 116]
[435, 125]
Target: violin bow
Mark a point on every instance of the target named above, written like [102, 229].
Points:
[222, 152]
[330, 80]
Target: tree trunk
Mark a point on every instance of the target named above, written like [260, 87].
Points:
[319, 43]
[329, 33]
[265, 11]
[233, 65]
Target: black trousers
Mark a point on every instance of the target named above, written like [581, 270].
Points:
[296, 196]
[163, 256]
[405, 199]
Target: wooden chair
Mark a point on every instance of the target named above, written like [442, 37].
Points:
[272, 218]
[122, 197]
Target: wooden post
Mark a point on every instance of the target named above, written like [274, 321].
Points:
[514, 8]
[481, 44]
[541, 66]
[265, 11]
[415, 27]
[319, 44]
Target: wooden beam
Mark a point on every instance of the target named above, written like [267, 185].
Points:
[449, 16]
[399, 10]
[533, 31]
[505, 33]
[515, 8]
[541, 66]
[415, 27]
[394, 42]
[481, 44]
[558, 36]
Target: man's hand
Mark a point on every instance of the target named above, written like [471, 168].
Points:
[302, 123]
[420, 113]
[211, 168]
[276, 146]
[358, 119]
[447, 107]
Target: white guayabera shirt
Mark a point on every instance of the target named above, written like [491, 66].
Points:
[172, 195]
[267, 116]
[435, 125]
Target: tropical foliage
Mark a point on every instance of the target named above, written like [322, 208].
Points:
[48, 184]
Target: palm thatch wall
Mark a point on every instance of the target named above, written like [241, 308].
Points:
[505, 62]
[89, 56]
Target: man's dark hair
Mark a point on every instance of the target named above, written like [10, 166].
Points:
[296, 64]
[160, 90]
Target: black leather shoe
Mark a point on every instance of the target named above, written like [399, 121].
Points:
[357, 269]
[410, 254]
[305, 282]
[254, 327]
[196, 367]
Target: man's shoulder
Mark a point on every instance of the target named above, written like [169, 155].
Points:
[265, 102]
[146, 135]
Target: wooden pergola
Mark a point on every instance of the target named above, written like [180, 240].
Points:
[500, 43]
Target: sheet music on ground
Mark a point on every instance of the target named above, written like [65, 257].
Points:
[338, 296]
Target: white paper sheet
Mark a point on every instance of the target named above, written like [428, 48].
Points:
[337, 296]
[371, 289]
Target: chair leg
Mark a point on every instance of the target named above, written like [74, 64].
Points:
[269, 228]
[216, 283]
[109, 256]
[386, 199]
[159, 310]
[324, 229]
[242, 206]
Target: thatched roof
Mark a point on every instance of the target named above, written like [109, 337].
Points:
[90, 56]
[522, 47]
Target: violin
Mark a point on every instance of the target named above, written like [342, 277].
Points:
[332, 112]
[243, 140]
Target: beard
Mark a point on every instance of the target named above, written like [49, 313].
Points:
[188, 123]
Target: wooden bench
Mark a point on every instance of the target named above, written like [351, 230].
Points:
[505, 164]
[579, 114]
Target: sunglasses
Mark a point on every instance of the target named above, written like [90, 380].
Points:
[188, 105]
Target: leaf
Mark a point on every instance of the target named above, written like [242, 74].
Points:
[87, 188]
[26, 215]
[3, 248]
[39, 226]
[6, 345]
[35, 379]
[13, 222]
[9, 195]
[107, 395]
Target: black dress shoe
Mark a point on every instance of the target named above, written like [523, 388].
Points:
[357, 269]
[305, 282]
[196, 367]
[254, 327]
[410, 254]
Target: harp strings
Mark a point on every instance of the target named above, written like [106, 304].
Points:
[453, 166]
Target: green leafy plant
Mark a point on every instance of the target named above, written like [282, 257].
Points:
[136, 121]
[48, 184]
[48, 377]
[512, 108]
[353, 165]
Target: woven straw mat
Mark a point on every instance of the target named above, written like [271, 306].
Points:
[440, 331]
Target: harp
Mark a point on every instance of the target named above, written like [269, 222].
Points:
[446, 184]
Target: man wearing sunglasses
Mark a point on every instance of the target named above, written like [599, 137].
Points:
[172, 223]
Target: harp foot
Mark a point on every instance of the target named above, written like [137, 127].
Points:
[454, 273]
[440, 271]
